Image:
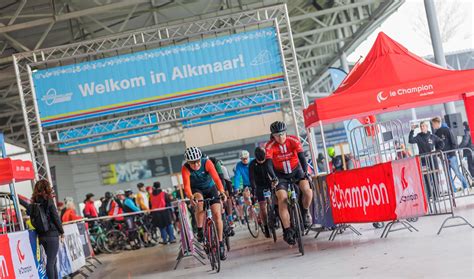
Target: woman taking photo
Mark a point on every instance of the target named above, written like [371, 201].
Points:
[42, 195]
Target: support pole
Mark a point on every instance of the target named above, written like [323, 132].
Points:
[343, 56]
[324, 147]
[440, 59]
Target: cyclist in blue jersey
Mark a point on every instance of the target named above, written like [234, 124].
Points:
[242, 181]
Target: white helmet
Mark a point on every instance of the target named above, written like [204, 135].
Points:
[192, 154]
[119, 192]
[244, 154]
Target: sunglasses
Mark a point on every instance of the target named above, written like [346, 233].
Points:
[281, 134]
[194, 162]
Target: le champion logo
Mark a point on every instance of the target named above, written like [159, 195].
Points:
[21, 256]
[422, 91]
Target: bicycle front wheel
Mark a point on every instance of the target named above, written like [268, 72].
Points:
[252, 221]
[271, 221]
[297, 223]
[213, 246]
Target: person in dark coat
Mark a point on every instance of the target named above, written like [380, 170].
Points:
[427, 143]
[466, 142]
[42, 194]
[162, 218]
[450, 143]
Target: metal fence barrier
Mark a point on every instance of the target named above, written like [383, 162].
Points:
[8, 218]
[460, 164]
[439, 188]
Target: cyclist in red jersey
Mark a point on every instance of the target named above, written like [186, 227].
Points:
[286, 160]
[201, 181]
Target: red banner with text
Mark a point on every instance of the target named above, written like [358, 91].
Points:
[384, 192]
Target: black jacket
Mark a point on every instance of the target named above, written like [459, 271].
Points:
[55, 225]
[448, 138]
[259, 177]
[426, 142]
[466, 140]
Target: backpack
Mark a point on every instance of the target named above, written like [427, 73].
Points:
[39, 218]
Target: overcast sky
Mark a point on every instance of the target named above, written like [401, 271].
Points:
[402, 27]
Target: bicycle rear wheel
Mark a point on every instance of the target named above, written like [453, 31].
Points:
[252, 222]
[271, 221]
[297, 223]
[116, 240]
[213, 242]
[102, 240]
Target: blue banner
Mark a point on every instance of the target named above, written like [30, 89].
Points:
[147, 78]
[231, 109]
[108, 126]
[321, 207]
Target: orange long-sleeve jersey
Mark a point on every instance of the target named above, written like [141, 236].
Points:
[198, 179]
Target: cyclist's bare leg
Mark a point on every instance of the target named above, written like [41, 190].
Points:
[228, 204]
[240, 209]
[307, 193]
[217, 216]
[246, 195]
[199, 211]
[282, 197]
[263, 211]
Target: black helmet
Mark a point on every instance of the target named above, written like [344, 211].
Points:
[108, 195]
[260, 154]
[278, 127]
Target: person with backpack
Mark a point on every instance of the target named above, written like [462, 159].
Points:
[45, 218]
[105, 205]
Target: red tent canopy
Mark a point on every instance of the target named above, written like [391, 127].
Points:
[390, 78]
[17, 170]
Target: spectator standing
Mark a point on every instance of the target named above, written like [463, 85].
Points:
[321, 162]
[427, 143]
[142, 197]
[450, 143]
[466, 142]
[162, 218]
[89, 208]
[130, 206]
[70, 213]
[336, 160]
[42, 194]
[116, 206]
[105, 205]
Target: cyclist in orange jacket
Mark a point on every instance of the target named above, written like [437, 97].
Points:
[201, 181]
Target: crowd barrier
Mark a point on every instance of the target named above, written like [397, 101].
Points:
[439, 188]
[461, 170]
[21, 256]
[188, 248]
[394, 191]
[391, 191]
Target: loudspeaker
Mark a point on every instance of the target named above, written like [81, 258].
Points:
[454, 121]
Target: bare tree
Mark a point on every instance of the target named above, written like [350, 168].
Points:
[451, 16]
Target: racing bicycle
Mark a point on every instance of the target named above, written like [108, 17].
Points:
[211, 239]
[296, 217]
